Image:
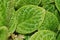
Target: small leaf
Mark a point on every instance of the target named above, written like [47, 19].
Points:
[27, 37]
[50, 22]
[57, 3]
[52, 8]
[3, 33]
[58, 38]
[59, 27]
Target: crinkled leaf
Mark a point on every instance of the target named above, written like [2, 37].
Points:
[2, 12]
[20, 3]
[44, 2]
[52, 8]
[49, 7]
[3, 33]
[43, 35]
[50, 22]
[29, 18]
[32, 17]
[10, 16]
[57, 3]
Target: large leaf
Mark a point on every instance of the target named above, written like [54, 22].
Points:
[43, 35]
[29, 18]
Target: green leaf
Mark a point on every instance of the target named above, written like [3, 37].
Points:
[44, 2]
[2, 12]
[20, 3]
[27, 37]
[10, 16]
[58, 38]
[59, 27]
[50, 22]
[50, 7]
[3, 33]
[29, 18]
[57, 3]
[43, 35]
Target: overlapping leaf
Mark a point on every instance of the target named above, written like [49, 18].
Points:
[29, 18]
[3, 33]
[3, 5]
[32, 17]
[57, 3]
[10, 16]
[20, 3]
[44, 2]
[50, 22]
[43, 35]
